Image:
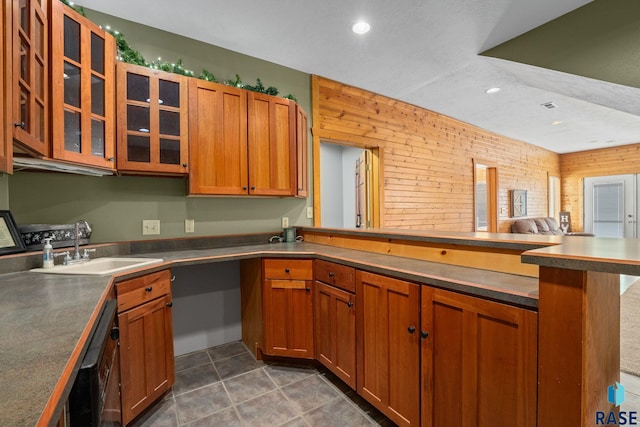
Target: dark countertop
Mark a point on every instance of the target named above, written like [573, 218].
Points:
[608, 255]
[510, 241]
[45, 319]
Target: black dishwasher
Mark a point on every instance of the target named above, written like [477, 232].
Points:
[95, 397]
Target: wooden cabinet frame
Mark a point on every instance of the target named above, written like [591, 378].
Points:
[58, 12]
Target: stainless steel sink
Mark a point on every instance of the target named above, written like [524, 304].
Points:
[100, 266]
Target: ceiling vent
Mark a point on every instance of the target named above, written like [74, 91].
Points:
[549, 105]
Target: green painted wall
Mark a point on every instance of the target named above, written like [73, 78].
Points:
[116, 205]
[598, 40]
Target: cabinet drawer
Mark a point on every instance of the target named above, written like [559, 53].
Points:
[134, 292]
[296, 269]
[338, 275]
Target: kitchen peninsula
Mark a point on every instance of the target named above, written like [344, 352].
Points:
[47, 318]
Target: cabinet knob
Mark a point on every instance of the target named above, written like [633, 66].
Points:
[424, 334]
[244, 188]
[148, 288]
[286, 270]
[349, 304]
[331, 274]
[184, 165]
[110, 159]
[115, 333]
[170, 304]
[307, 289]
[411, 329]
[19, 125]
[253, 187]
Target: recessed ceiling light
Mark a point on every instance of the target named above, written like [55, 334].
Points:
[557, 122]
[361, 27]
[493, 90]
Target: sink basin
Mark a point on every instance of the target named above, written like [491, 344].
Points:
[100, 266]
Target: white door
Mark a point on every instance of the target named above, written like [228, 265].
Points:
[610, 206]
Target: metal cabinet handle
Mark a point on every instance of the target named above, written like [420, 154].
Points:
[148, 288]
[424, 334]
[19, 125]
[411, 329]
[173, 278]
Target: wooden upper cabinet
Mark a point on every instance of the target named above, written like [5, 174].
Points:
[152, 117]
[218, 139]
[302, 149]
[479, 362]
[388, 346]
[6, 144]
[271, 145]
[82, 89]
[30, 73]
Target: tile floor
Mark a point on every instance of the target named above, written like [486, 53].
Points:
[226, 386]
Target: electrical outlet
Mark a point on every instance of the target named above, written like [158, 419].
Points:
[189, 225]
[309, 212]
[285, 222]
[150, 226]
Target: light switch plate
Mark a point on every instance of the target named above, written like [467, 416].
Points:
[285, 222]
[309, 212]
[189, 225]
[150, 226]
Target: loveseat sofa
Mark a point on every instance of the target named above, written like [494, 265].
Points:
[547, 225]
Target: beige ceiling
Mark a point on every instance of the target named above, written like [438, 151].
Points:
[428, 53]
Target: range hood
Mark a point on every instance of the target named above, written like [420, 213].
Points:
[31, 163]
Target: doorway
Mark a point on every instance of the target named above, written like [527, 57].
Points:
[610, 205]
[485, 196]
[344, 188]
[349, 186]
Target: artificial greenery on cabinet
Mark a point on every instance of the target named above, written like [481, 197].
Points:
[131, 56]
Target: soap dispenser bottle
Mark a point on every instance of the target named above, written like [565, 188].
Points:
[47, 254]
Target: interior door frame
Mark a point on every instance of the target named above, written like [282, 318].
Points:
[377, 179]
[631, 184]
[492, 194]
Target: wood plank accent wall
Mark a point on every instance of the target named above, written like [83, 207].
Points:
[428, 158]
[574, 167]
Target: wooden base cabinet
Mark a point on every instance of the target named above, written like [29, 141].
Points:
[388, 346]
[479, 362]
[287, 295]
[335, 320]
[146, 341]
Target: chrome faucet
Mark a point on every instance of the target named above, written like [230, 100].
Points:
[76, 239]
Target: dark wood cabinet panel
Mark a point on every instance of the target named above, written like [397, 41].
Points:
[479, 362]
[388, 345]
[6, 59]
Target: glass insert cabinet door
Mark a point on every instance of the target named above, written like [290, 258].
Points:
[30, 70]
[83, 94]
[153, 120]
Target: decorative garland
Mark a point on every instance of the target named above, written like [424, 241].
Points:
[131, 56]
